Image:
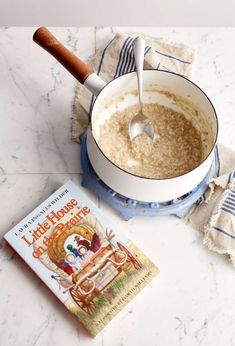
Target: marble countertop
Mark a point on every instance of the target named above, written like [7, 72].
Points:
[192, 300]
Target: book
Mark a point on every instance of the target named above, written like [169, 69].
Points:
[87, 263]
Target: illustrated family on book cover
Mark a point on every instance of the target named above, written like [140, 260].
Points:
[92, 268]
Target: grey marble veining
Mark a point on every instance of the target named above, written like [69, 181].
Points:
[36, 98]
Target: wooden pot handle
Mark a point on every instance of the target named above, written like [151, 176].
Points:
[78, 68]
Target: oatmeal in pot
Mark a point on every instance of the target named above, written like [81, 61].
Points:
[177, 148]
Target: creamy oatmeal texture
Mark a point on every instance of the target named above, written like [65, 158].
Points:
[176, 150]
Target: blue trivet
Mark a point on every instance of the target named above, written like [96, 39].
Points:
[128, 207]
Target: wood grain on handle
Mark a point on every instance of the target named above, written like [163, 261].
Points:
[78, 68]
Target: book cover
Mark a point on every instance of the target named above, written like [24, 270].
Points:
[88, 264]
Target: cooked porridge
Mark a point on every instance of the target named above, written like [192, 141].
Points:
[176, 149]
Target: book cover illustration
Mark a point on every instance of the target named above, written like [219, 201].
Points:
[92, 268]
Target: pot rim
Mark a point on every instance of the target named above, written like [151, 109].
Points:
[158, 179]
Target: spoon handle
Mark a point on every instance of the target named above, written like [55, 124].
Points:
[138, 50]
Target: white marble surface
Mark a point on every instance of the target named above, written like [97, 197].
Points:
[192, 300]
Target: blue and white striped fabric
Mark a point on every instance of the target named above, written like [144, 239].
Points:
[215, 214]
[117, 59]
[220, 231]
[228, 204]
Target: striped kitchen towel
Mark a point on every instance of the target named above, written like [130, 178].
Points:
[214, 214]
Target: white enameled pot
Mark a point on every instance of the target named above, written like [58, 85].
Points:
[118, 95]
[109, 100]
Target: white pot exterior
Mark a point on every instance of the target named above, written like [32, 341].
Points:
[127, 184]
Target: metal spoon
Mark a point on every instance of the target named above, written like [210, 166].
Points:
[140, 124]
